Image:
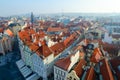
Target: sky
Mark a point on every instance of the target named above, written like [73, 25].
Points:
[16, 7]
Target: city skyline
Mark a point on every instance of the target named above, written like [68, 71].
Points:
[15, 7]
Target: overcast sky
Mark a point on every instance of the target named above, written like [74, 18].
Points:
[13, 7]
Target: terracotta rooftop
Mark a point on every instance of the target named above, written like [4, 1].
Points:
[96, 55]
[79, 47]
[9, 32]
[1, 30]
[57, 48]
[115, 63]
[56, 29]
[33, 47]
[105, 70]
[63, 63]
[70, 39]
[38, 45]
[44, 51]
[78, 68]
[90, 74]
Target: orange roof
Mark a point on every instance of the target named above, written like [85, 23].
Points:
[78, 68]
[44, 51]
[91, 74]
[69, 39]
[82, 54]
[96, 55]
[57, 48]
[79, 47]
[66, 41]
[63, 63]
[115, 62]
[33, 47]
[26, 37]
[56, 29]
[105, 70]
[1, 30]
[9, 32]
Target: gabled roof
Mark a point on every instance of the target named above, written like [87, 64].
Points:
[9, 32]
[69, 39]
[90, 74]
[105, 70]
[57, 48]
[44, 51]
[38, 45]
[33, 47]
[96, 55]
[78, 68]
[63, 63]
[115, 63]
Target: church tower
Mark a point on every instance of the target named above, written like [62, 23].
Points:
[32, 18]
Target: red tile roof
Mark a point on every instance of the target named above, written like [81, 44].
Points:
[90, 74]
[1, 30]
[69, 40]
[33, 47]
[105, 70]
[26, 37]
[78, 68]
[63, 63]
[82, 54]
[9, 32]
[57, 48]
[115, 62]
[56, 29]
[96, 55]
[44, 51]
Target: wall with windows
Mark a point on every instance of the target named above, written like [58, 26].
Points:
[72, 76]
[59, 74]
[39, 66]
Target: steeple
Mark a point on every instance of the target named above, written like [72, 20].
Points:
[32, 18]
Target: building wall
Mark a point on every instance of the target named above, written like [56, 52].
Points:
[2, 48]
[116, 41]
[74, 59]
[5, 45]
[72, 76]
[107, 38]
[59, 74]
[49, 62]
[39, 66]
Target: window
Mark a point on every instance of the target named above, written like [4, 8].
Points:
[74, 79]
[55, 70]
[63, 73]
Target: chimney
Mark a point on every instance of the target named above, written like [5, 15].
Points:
[39, 44]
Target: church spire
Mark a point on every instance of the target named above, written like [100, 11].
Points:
[32, 18]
